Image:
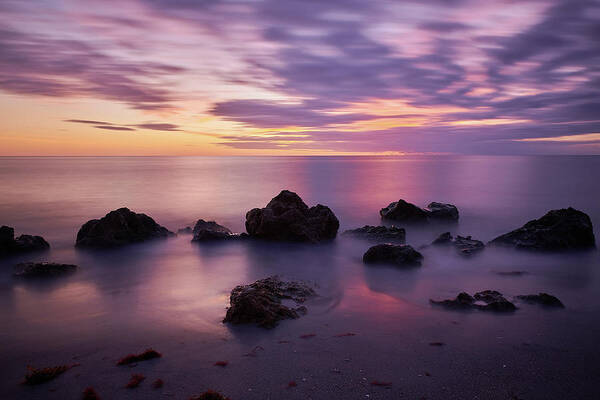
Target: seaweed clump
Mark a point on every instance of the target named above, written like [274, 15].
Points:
[157, 384]
[35, 376]
[135, 381]
[209, 395]
[149, 354]
[90, 394]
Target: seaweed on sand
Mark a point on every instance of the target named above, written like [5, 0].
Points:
[135, 381]
[35, 376]
[209, 395]
[146, 355]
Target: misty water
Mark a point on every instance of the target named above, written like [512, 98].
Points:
[172, 294]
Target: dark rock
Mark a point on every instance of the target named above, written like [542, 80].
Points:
[379, 233]
[261, 302]
[444, 238]
[27, 243]
[462, 301]
[488, 300]
[442, 211]
[401, 255]
[511, 273]
[120, 227]
[185, 231]
[23, 244]
[7, 238]
[544, 299]
[564, 229]
[465, 245]
[288, 218]
[403, 211]
[494, 301]
[210, 230]
[407, 212]
[41, 269]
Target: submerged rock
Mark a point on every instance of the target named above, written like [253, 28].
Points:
[288, 218]
[401, 210]
[379, 233]
[462, 301]
[544, 299]
[23, 244]
[120, 227]
[511, 273]
[465, 245]
[401, 255]
[210, 230]
[564, 229]
[261, 302]
[41, 269]
[442, 211]
[444, 238]
[487, 300]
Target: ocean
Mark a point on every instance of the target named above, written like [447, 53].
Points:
[172, 294]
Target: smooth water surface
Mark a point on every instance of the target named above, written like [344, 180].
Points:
[172, 294]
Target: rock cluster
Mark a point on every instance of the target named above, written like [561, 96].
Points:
[119, 227]
[403, 211]
[379, 233]
[564, 229]
[488, 300]
[261, 302]
[465, 245]
[401, 255]
[492, 300]
[288, 218]
[23, 244]
[43, 269]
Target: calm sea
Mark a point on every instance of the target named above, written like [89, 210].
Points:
[172, 294]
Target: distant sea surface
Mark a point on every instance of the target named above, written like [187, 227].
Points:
[172, 294]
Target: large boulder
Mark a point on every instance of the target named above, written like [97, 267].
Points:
[120, 227]
[404, 211]
[383, 233]
[210, 230]
[288, 218]
[261, 302]
[400, 255]
[23, 244]
[43, 269]
[564, 229]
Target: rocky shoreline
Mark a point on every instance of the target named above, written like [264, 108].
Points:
[287, 218]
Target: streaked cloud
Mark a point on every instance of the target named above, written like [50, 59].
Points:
[458, 76]
[584, 137]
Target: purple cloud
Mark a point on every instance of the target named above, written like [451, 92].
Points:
[537, 62]
[36, 65]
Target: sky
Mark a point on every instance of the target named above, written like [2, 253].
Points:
[299, 77]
